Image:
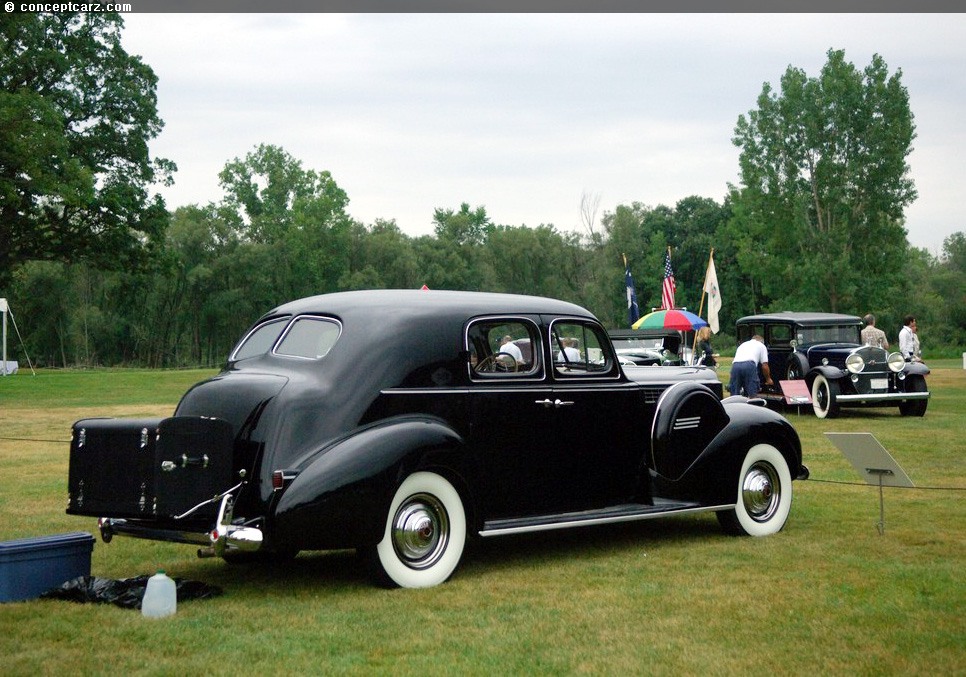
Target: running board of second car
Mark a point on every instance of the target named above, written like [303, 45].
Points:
[612, 515]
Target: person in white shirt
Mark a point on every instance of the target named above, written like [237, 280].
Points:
[569, 352]
[744, 369]
[511, 349]
[908, 341]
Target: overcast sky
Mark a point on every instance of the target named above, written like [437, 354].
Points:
[526, 113]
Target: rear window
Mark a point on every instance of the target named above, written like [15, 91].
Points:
[309, 337]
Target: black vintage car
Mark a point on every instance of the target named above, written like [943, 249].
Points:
[391, 422]
[825, 349]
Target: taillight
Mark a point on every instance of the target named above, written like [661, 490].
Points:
[282, 477]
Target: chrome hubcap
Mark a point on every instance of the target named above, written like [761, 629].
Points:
[761, 491]
[420, 531]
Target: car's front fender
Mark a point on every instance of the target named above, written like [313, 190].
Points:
[748, 424]
[830, 373]
[917, 368]
[339, 499]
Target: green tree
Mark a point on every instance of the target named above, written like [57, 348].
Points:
[76, 115]
[465, 227]
[381, 257]
[948, 283]
[298, 214]
[825, 184]
[522, 260]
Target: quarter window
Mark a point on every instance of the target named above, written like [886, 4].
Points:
[260, 340]
[309, 337]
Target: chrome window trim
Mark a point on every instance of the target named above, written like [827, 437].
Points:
[292, 322]
[538, 375]
[234, 353]
[613, 373]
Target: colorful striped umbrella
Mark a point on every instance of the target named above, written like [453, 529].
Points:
[681, 320]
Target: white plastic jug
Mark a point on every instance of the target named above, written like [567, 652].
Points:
[160, 596]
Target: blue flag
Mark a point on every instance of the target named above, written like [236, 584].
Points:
[633, 311]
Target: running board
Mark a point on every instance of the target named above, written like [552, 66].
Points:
[621, 513]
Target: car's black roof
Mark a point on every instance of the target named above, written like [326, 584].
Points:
[379, 303]
[802, 318]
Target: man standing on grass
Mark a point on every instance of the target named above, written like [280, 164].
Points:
[744, 369]
[872, 335]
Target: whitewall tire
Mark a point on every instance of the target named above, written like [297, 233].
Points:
[424, 535]
[764, 494]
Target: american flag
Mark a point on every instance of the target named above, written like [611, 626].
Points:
[667, 290]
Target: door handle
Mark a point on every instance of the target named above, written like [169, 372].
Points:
[556, 404]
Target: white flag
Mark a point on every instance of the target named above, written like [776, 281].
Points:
[714, 295]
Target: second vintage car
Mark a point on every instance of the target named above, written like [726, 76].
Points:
[649, 347]
[392, 422]
[825, 349]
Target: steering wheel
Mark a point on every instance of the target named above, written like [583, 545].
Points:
[499, 362]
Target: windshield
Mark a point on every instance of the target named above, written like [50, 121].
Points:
[621, 343]
[828, 334]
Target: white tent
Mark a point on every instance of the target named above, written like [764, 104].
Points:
[8, 367]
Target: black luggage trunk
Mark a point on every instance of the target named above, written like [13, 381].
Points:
[148, 468]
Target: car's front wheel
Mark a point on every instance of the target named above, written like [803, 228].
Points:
[914, 384]
[824, 396]
[764, 494]
[424, 534]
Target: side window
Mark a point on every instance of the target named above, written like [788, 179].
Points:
[779, 336]
[501, 348]
[260, 340]
[746, 331]
[309, 337]
[579, 349]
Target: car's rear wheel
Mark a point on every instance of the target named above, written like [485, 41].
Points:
[424, 534]
[824, 396]
[764, 494]
[914, 384]
[794, 371]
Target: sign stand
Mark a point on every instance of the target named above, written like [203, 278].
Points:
[873, 463]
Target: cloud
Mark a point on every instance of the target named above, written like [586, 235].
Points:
[524, 113]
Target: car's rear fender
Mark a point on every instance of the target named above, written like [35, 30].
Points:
[340, 497]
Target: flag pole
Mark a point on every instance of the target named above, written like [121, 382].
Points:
[704, 285]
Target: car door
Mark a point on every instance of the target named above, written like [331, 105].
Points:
[599, 430]
[507, 424]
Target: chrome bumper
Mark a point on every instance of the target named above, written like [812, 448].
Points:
[882, 397]
[223, 536]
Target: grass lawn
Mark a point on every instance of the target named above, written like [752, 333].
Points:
[827, 595]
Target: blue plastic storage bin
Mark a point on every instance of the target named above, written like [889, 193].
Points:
[32, 566]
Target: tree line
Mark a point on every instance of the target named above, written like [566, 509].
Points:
[100, 273]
